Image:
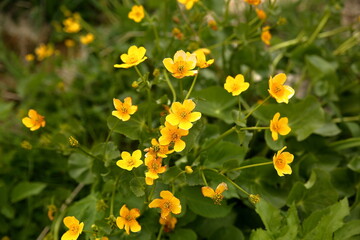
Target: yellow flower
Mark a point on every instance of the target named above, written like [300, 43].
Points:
[266, 35]
[134, 57]
[279, 126]
[261, 14]
[34, 121]
[43, 51]
[155, 167]
[169, 204]
[69, 43]
[149, 181]
[127, 219]
[215, 195]
[182, 64]
[253, 2]
[173, 134]
[158, 150]
[188, 3]
[236, 85]
[72, 25]
[188, 170]
[128, 161]
[137, 13]
[181, 115]
[169, 223]
[75, 228]
[29, 57]
[279, 91]
[201, 59]
[281, 161]
[86, 39]
[124, 110]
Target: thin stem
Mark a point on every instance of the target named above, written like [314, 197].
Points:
[237, 186]
[346, 119]
[191, 87]
[203, 177]
[170, 85]
[139, 73]
[254, 128]
[257, 106]
[160, 232]
[113, 197]
[228, 132]
[87, 153]
[250, 166]
[108, 137]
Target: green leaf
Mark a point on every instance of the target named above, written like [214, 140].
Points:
[328, 130]
[304, 117]
[270, 215]
[216, 102]
[291, 228]
[26, 189]
[110, 149]
[172, 174]
[348, 230]
[192, 138]
[80, 166]
[322, 224]
[204, 206]
[274, 145]
[224, 152]
[354, 164]
[260, 234]
[183, 233]
[345, 144]
[228, 233]
[137, 186]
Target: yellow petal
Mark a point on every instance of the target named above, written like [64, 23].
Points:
[117, 103]
[135, 226]
[168, 63]
[124, 57]
[137, 154]
[120, 222]
[141, 52]
[186, 125]
[288, 156]
[124, 211]
[179, 145]
[125, 155]
[68, 221]
[173, 119]
[33, 114]
[166, 194]
[134, 213]
[156, 203]
[221, 188]
[279, 78]
[27, 122]
[208, 192]
[132, 109]
[274, 135]
[194, 116]
[189, 105]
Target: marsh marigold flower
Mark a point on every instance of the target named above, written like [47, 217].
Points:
[182, 115]
[34, 120]
[127, 219]
[266, 35]
[215, 195]
[253, 2]
[29, 57]
[158, 150]
[72, 24]
[236, 85]
[261, 14]
[201, 59]
[279, 126]
[188, 3]
[172, 134]
[182, 65]
[75, 228]
[137, 13]
[168, 223]
[44, 51]
[128, 161]
[134, 57]
[279, 91]
[155, 167]
[168, 204]
[86, 39]
[281, 162]
[124, 110]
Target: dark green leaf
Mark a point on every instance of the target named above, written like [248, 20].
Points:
[80, 166]
[26, 189]
[182, 233]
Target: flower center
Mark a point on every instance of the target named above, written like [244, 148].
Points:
[130, 162]
[280, 163]
[167, 205]
[183, 114]
[155, 166]
[181, 67]
[174, 137]
[278, 89]
[128, 218]
[124, 110]
[218, 198]
[74, 229]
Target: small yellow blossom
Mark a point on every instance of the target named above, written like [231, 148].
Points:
[137, 13]
[134, 57]
[279, 91]
[201, 59]
[188, 3]
[188, 170]
[86, 39]
[155, 167]
[279, 126]
[215, 195]
[128, 162]
[212, 24]
[72, 24]
[281, 162]
[261, 14]
[29, 57]
[182, 115]
[124, 110]
[26, 145]
[75, 228]
[236, 85]
[266, 35]
[168, 204]
[176, 32]
[253, 2]
[69, 43]
[34, 121]
[182, 65]
[168, 223]
[158, 150]
[172, 134]
[149, 181]
[127, 219]
[44, 51]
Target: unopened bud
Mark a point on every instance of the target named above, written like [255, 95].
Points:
[189, 170]
[73, 142]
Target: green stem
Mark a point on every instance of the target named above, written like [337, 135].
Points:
[254, 128]
[113, 197]
[320, 26]
[192, 86]
[170, 86]
[237, 186]
[346, 119]
[218, 139]
[250, 166]
[148, 89]
[108, 137]
[257, 106]
[160, 232]
[203, 177]
[87, 153]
